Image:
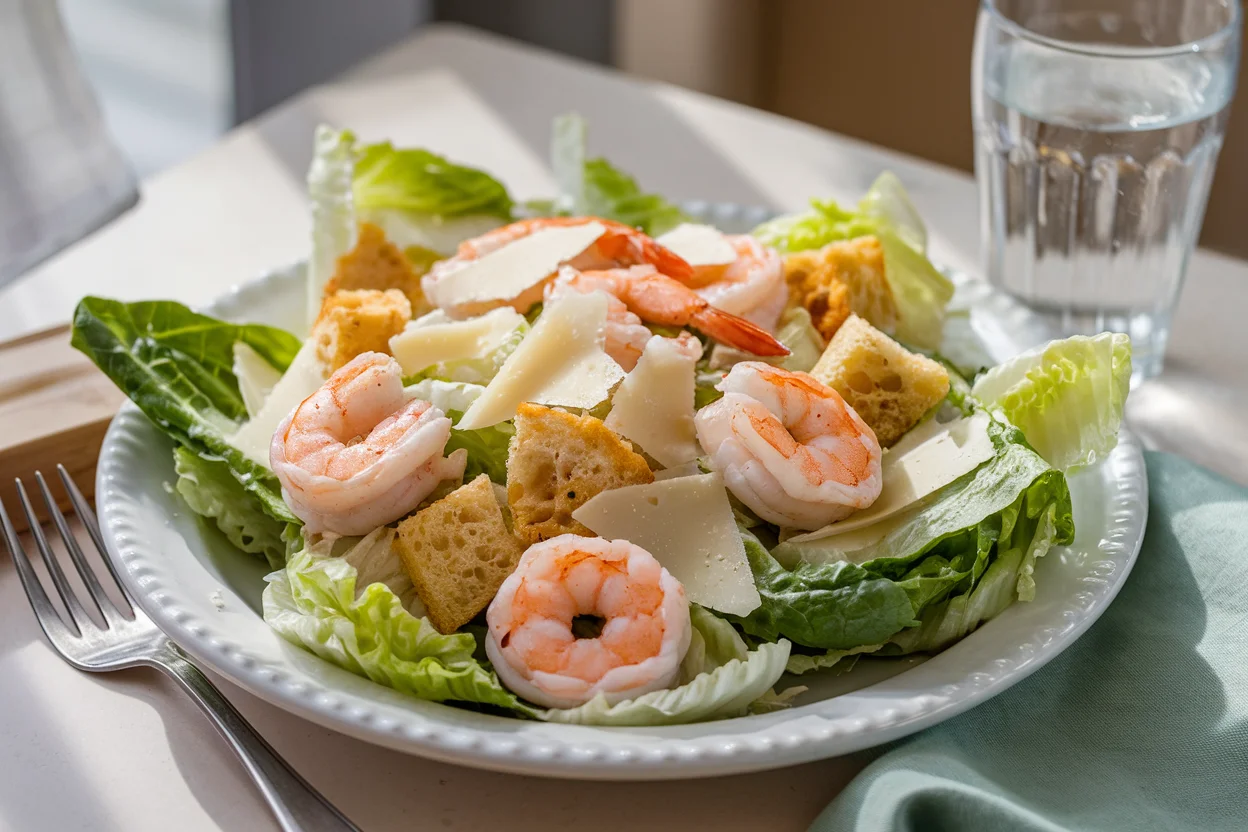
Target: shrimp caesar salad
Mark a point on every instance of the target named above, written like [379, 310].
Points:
[584, 459]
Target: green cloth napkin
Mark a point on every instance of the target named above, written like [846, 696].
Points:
[1140, 725]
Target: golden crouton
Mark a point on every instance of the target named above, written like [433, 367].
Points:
[839, 279]
[557, 461]
[376, 263]
[890, 387]
[356, 321]
[458, 552]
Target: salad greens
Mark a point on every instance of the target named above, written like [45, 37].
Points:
[920, 291]
[317, 602]
[839, 594]
[1066, 396]
[423, 184]
[177, 366]
[211, 491]
[597, 188]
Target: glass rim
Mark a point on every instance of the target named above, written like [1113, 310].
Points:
[1208, 42]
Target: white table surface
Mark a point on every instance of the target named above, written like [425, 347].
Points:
[128, 752]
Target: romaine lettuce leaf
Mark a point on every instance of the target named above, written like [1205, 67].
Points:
[177, 366]
[595, 187]
[420, 182]
[796, 331]
[423, 202]
[1067, 396]
[316, 603]
[211, 491]
[867, 586]
[333, 214]
[885, 211]
[842, 660]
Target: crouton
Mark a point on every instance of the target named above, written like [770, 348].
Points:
[376, 263]
[839, 279]
[890, 387]
[557, 461]
[356, 321]
[458, 551]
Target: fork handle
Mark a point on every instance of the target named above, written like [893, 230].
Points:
[296, 805]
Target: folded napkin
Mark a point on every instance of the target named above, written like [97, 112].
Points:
[1140, 725]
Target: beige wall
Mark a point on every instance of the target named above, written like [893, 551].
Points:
[893, 72]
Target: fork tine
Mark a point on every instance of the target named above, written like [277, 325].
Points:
[87, 515]
[49, 619]
[76, 613]
[95, 592]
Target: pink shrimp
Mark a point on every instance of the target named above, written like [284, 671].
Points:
[789, 447]
[642, 609]
[752, 286]
[658, 299]
[621, 245]
[354, 455]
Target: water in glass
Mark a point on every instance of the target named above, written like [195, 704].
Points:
[1094, 156]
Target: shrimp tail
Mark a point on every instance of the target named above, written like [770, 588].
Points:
[629, 245]
[736, 332]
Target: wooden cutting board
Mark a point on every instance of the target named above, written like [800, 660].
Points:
[54, 408]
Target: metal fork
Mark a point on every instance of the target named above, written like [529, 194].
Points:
[130, 639]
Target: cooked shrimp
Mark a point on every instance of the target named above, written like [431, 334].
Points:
[661, 300]
[626, 335]
[642, 609]
[752, 286]
[790, 447]
[354, 456]
[621, 245]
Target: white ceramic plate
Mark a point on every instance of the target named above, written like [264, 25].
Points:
[206, 596]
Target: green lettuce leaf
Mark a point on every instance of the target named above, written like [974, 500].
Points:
[1008, 576]
[316, 603]
[596, 188]
[211, 491]
[920, 291]
[798, 333]
[722, 679]
[417, 181]
[1066, 396]
[842, 660]
[835, 606]
[333, 215]
[177, 366]
[867, 586]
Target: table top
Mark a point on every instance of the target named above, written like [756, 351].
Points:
[127, 751]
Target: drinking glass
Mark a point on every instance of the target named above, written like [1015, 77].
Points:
[1097, 127]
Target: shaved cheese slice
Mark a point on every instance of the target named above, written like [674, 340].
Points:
[560, 362]
[302, 378]
[924, 461]
[699, 245]
[256, 377]
[508, 271]
[687, 524]
[654, 404]
[424, 343]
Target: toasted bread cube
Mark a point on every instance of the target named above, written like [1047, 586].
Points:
[557, 461]
[356, 321]
[890, 387]
[377, 263]
[839, 279]
[458, 551]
